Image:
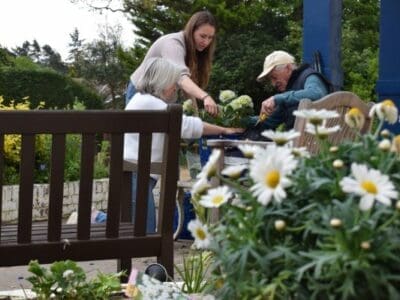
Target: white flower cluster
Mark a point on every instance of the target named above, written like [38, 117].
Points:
[150, 288]
[226, 96]
[188, 108]
[241, 102]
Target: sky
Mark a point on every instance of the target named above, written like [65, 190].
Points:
[52, 21]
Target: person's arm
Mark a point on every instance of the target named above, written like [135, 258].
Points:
[194, 128]
[314, 88]
[195, 91]
[211, 129]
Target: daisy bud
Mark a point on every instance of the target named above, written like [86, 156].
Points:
[365, 245]
[385, 145]
[336, 223]
[280, 225]
[219, 283]
[385, 133]
[334, 149]
[396, 144]
[338, 163]
[398, 205]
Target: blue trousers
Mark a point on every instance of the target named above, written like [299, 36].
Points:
[129, 92]
[151, 207]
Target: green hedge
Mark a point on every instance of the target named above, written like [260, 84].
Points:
[56, 90]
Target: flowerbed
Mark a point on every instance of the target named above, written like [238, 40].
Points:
[296, 226]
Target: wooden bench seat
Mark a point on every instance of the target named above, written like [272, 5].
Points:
[118, 238]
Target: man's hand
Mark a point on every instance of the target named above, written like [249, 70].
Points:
[268, 106]
[210, 106]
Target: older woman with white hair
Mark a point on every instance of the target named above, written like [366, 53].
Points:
[155, 89]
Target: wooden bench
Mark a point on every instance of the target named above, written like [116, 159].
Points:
[340, 101]
[118, 238]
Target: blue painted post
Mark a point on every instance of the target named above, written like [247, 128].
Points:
[322, 33]
[388, 85]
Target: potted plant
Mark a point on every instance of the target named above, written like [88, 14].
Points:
[296, 226]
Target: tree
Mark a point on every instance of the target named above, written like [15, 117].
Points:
[76, 53]
[360, 47]
[102, 65]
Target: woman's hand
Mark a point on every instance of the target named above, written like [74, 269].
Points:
[210, 106]
[232, 130]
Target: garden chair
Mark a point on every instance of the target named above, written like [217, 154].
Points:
[340, 101]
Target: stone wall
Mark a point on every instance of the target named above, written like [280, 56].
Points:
[70, 202]
[41, 199]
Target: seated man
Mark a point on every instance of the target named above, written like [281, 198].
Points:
[293, 83]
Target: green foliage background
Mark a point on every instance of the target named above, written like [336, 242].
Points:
[55, 89]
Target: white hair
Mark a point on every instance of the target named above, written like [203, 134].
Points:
[282, 66]
[159, 74]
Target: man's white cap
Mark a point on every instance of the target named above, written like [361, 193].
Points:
[274, 59]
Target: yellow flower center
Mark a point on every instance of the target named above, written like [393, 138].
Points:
[200, 234]
[280, 141]
[315, 121]
[272, 178]
[217, 200]
[354, 112]
[388, 103]
[369, 186]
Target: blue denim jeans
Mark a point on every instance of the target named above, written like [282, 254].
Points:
[129, 92]
[151, 208]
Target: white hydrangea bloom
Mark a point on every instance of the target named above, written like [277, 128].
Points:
[227, 95]
[241, 102]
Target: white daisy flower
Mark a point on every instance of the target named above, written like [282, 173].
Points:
[216, 197]
[200, 186]
[281, 138]
[315, 116]
[269, 170]
[300, 152]
[385, 110]
[234, 171]
[249, 150]
[354, 118]
[370, 184]
[210, 168]
[68, 273]
[321, 131]
[200, 233]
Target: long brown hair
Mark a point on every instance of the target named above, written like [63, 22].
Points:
[199, 62]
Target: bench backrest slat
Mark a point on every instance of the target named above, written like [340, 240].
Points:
[142, 183]
[115, 185]
[56, 187]
[26, 188]
[1, 177]
[86, 185]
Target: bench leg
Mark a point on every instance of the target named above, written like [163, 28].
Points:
[124, 264]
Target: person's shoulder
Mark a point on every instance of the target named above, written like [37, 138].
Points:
[145, 101]
[172, 36]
